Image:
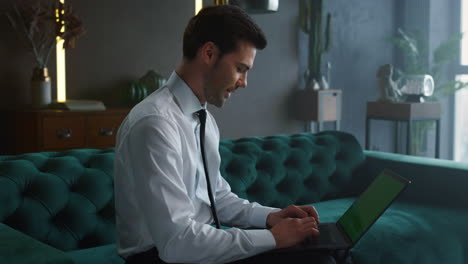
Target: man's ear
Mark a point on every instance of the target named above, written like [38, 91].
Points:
[209, 52]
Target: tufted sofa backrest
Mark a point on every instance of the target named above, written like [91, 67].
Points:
[65, 199]
[290, 169]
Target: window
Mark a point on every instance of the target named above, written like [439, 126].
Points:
[464, 28]
[461, 96]
[461, 122]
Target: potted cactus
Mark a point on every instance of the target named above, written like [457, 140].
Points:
[311, 21]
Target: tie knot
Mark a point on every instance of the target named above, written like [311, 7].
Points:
[201, 115]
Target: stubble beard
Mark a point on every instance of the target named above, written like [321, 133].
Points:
[214, 95]
[214, 99]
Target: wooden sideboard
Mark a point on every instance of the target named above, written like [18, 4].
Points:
[55, 130]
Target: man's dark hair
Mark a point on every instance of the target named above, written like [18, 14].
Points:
[224, 25]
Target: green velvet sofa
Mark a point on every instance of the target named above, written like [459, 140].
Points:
[57, 207]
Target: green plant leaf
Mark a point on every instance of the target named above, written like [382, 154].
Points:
[447, 51]
[304, 15]
[416, 61]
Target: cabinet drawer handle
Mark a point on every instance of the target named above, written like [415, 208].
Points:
[103, 131]
[63, 133]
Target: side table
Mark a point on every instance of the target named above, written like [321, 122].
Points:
[319, 106]
[407, 113]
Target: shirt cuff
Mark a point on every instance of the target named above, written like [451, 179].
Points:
[262, 240]
[259, 216]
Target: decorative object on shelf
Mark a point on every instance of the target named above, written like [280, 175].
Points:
[310, 16]
[140, 89]
[311, 83]
[414, 89]
[388, 88]
[41, 95]
[37, 22]
[417, 61]
[417, 87]
[152, 80]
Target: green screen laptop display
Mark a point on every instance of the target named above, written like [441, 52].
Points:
[364, 212]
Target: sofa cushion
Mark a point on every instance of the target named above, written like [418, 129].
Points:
[290, 169]
[407, 233]
[63, 199]
[416, 233]
[102, 255]
[19, 248]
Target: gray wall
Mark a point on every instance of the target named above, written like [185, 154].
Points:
[263, 107]
[359, 47]
[126, 39]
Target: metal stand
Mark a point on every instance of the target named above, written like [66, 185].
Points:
[407, 113]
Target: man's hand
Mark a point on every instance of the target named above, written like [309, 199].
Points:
[291, 231]
[292, 211]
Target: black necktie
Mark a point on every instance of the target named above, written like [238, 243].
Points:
[202, 116]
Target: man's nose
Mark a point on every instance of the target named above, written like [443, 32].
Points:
[242, 82]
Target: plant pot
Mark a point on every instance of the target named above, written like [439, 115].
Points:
[41, 95]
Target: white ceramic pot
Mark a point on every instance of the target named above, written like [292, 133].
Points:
[41, 94]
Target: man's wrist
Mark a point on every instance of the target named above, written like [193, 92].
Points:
[258, 218]
[271, 219]
[268, 225]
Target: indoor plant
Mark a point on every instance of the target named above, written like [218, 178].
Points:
[40, 23]
[416, 61]
[311, 19]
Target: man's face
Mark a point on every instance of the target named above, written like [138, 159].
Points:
[228, 73]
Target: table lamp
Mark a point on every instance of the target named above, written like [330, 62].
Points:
[62, 102]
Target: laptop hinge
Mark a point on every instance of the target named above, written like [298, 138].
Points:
[345, 235]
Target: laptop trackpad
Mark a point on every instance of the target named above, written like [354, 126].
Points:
[330, 238]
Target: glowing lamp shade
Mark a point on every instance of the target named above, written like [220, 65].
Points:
[61, 78]
[198, 6]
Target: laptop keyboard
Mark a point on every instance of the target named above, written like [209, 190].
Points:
[325, 236]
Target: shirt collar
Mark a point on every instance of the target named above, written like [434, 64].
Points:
[185, 97]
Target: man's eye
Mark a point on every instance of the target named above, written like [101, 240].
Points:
[241, 69]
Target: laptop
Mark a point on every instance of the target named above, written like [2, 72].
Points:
[361, 215]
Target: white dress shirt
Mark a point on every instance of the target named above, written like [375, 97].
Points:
[161, 196]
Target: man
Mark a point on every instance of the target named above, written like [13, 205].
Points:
[163, 206]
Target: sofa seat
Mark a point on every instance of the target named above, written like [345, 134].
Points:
[415, 233]
[102, 255]
[19, 248]
[410, 230]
